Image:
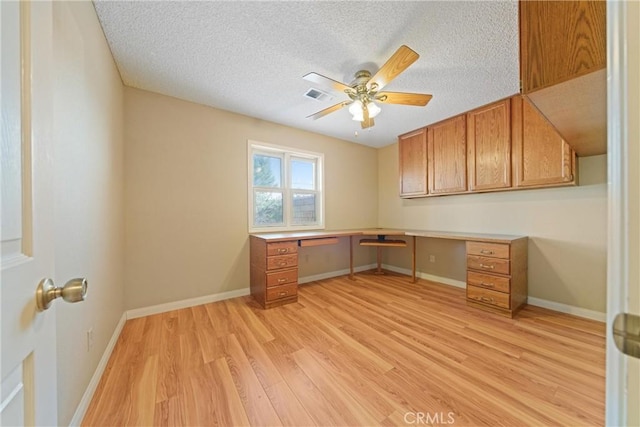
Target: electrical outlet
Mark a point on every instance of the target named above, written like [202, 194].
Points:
[432, 258]
[89, 339]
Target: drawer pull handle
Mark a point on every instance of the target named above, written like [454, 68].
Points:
[282, 280]
[282, 264]
[283, 294]
[487, 266]
[486, 252]
[486, 299]
[487, 285]
[283, 250]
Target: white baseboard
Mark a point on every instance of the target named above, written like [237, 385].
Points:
[191, 302]
[551, 305]
[569, 309]
[329, 275]
[81, 410]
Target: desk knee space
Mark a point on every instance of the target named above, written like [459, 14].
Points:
[382, 243]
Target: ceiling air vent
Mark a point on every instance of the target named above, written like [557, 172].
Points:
[318, 95]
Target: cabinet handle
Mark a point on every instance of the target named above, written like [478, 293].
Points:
[487, 285]
[282, 264]
[486, 299]
[490, 267]
[282, 294]
[486, 252]
[282, 280]
[283, 250]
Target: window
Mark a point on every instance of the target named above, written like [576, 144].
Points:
[285, 188]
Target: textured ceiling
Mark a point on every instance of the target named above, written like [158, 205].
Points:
[249, 57]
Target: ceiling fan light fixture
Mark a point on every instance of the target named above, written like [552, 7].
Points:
[356, 111]
[374, 110]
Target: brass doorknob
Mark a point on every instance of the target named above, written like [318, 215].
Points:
[75, 290]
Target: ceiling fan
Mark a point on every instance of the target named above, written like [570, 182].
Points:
[364, 91]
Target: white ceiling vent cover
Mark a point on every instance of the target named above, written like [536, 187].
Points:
[317, 94]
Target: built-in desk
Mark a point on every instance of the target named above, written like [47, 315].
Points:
[496, 264]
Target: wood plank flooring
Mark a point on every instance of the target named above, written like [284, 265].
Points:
[375, 351]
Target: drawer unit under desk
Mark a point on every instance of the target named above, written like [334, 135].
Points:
[493, 250]
[497, 275]
[274, 271]
[282, 277]
[280, 292]
[489, 265]
[282, 261]
[282, 248]
[489, 281]
[486, 296]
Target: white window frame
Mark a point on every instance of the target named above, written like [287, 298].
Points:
[286, 154]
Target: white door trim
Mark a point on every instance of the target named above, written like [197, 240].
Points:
[617, 250]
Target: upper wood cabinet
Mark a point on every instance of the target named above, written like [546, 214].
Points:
[447, 156]
[412, 153]
[541, 157]
[560, 40]
[489, 146]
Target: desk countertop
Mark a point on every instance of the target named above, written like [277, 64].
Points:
[318, 234]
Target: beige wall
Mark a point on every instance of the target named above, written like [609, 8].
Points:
[89, 211]
[186, 197]
[566, 226]
[186, 209]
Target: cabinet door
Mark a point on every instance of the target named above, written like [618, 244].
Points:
[541, 157]
[412, 150]
[447, 156]
[560, 40]
[489, 146]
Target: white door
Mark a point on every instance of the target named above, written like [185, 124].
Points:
[623, 282]
[28, 338]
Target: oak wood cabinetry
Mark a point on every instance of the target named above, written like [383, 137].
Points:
[489, 147]
[560, 40]
[563, 68]
[541, 157]
[274, 271]
[497, 275]
[412, 151]
[447, 156]
[506, 145]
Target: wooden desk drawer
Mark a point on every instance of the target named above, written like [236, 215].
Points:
[489, 265]
[283, 261]
[488, 281]
[282, 277]
[283, 291]
[282, 248]
[494, 250]
[487, 296]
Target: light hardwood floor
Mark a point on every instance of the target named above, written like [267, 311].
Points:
[375, 351]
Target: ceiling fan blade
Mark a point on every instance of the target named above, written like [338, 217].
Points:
[326, 81]
[417, 99]
[328, 110]
[368, 121]
[398, 62]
